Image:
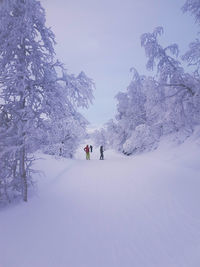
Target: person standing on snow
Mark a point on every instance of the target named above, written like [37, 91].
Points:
[101, 153]
[91, 148]
[87, 151]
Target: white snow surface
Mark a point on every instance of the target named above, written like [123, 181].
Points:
[138, 211]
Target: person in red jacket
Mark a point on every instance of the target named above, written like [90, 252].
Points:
[87, 151]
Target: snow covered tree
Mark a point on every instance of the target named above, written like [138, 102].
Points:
[181, 89]
[130, 112]
[169, 70]
[114, 134]
[193, 6]
[99, 137]
[155, 106]
[63, 136]
[192, 56]
[137, 111]
[31, 90]
[146, 133]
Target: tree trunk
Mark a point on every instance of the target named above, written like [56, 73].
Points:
[23, 175]
[6, 192]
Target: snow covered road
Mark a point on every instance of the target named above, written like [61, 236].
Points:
[139, 211]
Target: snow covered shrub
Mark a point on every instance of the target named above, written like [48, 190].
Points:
[143, 138]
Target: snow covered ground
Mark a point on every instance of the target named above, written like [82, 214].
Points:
[139, 211]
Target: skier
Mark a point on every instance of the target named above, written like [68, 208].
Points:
[87, 151]
[91, 148]
[101, 153]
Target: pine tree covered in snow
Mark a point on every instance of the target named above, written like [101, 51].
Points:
[33, 96]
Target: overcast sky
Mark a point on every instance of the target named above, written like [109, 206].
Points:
[102, 38]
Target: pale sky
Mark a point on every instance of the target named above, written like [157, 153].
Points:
[102, 38]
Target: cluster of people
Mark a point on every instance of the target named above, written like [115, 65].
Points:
[89, 149]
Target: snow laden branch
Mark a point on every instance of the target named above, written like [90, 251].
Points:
[192, 56]
[192, 6]
[169, 70]
[79, 89]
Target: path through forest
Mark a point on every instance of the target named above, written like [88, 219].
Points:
[138, 211]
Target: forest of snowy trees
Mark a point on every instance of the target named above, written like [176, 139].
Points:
[166, 103]
[38, 98]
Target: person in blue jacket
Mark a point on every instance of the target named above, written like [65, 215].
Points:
[101, 153]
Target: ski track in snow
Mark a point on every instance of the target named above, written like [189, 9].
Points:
[140, 211]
